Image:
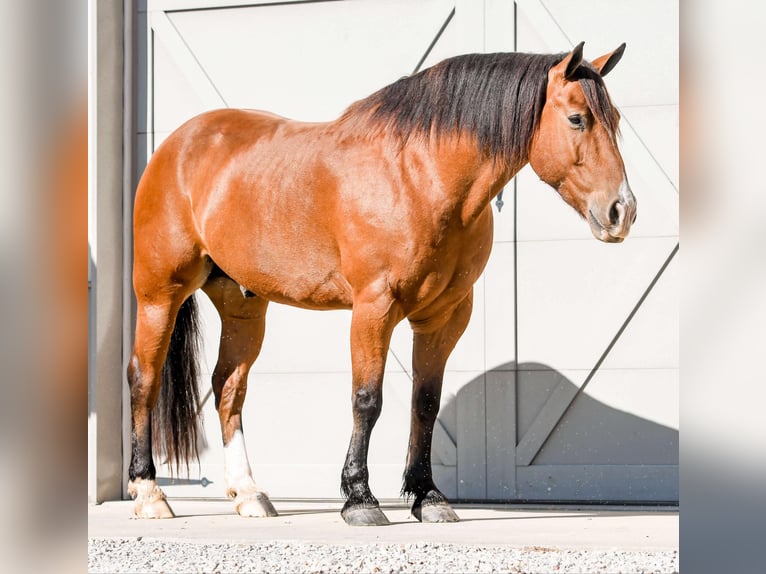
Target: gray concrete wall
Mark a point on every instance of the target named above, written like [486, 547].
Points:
[105, 197]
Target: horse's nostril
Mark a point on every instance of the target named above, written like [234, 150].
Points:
[614, 213]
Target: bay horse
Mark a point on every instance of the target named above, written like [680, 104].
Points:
[385, 211]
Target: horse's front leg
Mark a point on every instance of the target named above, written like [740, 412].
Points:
[371, 328]
[242, 331]
[431, 349]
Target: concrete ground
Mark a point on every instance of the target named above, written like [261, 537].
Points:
[514, 526]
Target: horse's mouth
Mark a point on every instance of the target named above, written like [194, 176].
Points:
[600, 231]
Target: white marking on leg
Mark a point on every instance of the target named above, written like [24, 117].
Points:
[236, 464]
[249, 500]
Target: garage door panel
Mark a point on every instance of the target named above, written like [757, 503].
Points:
[542, 215]
[143, 80]
[657, 127]
[301, 341]
[445, 478]
[205, 478]
[657, 198]
[585, 431]
[176, 98]
[446, 45]
[536, 384]
[573, 296]
[499, 308]
[501, 399]
[651, 340]
[651, 394]
[400, 350]
[455, 383]
[598, 483]
[648, 72]
[366, 44]
[469, 353]
[596, 432]
[471, 438]
[536, 31]
[296, 340]
[504, 220]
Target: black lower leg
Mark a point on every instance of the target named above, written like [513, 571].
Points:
[355, 476]
[355, 485]
[418, 478]
[419, 484]
[141, 463]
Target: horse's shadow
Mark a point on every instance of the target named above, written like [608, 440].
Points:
[533, 415]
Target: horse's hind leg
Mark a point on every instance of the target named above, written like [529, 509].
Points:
[431, 349]
[158, 305]
[242, 330]
[153, 331]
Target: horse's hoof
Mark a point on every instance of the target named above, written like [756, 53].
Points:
[365, 517]
[150, 500]
[156, 508]
[435, 513]
[255, 506]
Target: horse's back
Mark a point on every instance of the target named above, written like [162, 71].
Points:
[195, 151]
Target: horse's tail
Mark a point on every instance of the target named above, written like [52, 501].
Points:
[175, 416]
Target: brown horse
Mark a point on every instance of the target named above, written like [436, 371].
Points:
[385, 211]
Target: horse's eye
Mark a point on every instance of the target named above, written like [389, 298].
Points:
[577, 121]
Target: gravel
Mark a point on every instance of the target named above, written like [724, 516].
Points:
[117, 555]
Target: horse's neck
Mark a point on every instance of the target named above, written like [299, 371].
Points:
[474, 179]
[483, 189]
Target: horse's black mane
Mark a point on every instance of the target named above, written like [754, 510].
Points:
[497, 98]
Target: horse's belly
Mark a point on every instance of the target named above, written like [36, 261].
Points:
[297, 286]
[310, 294]
[295, 264]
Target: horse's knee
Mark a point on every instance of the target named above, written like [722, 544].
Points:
[368, 403]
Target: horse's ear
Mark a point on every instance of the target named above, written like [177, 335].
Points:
[605, 63]
[566, 67]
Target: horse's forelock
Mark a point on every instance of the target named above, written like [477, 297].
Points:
[598, 99]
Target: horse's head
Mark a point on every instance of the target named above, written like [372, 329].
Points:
[575, 146]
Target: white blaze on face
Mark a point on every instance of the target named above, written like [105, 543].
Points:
[237, 466]
[625, 189]
[627, 206]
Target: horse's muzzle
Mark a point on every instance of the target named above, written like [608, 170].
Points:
[615, 225]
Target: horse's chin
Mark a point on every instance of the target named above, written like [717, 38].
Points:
[600, 232]
[606, 238]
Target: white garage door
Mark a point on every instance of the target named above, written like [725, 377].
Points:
[550, 394]
[597, 381]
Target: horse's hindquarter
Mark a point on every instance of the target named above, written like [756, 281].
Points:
[264, 209]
